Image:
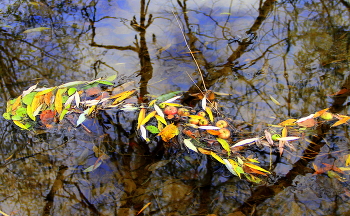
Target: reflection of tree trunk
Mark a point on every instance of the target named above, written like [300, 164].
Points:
[262, 193]
[58, 183]
[213, 75]
[146, 70]
[140, 47]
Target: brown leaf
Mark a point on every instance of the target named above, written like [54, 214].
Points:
[47, 98]
[342, 91]
[307, 123]
[47, 117]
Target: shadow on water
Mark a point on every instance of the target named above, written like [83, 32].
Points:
[295, 51]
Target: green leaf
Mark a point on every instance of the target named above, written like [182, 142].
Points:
[152, 129]
[111, 78]
[167, 96]
[105, 82]
[28, 99]
[71, 91]
[21, 111]
[71, 84]
[7, 116]
[16, 118]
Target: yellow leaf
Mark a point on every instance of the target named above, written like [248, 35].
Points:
[91, 109]
[256, 167]
[161, 119]
[217, 157]
[224, 145]
[141, 117]
[341, 121]
[19, 124]
[319, 113]
[196, 117]
[122, 96]
[204, 151]
[238, 169]
[45, 91]
[288, 122]
[347, 162]
[148, 117]
[36, 102]
[169, 104]
[284, 132]
[210, 114]
[152, 102]
[30, 112]
[169, 132]
[58, 100]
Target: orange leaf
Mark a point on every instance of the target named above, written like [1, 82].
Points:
[204, 151]
[213, 132]
[122, 96]
[47, 98]
[307, 123]
[341, 121]
[169, 132]
[143, 208]
[342, 91]
[251, 170]
[16, 104]
[319, 113]
[47, 116]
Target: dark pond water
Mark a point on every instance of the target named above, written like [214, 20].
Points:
[295, 51]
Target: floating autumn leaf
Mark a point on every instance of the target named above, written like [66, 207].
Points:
[244, 142]
[256, 167]
[251, 170]
[58, 100]
[169, 132]
[230, 167]
[319, 113]
[204, 102]
[152, 129]
[237, 168]
[167, 96]
[141, 117]
[218, 158]
[224, 145]
[122, 96]
[341, 121]
[16, 104]
[24, 93]
[210, 114]
[148, 117]
[143, 132]
[268, 137]
[190, 145]
[94, 91]
[161, 119]
[308, 121]
[159, 111]
[163, 105]
[172, 99]
[204, 151]
[47, 98]
[21, 125]
[213, 132]
[288, 122]
[47, 116]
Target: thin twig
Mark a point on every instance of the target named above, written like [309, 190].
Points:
[188, 47]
